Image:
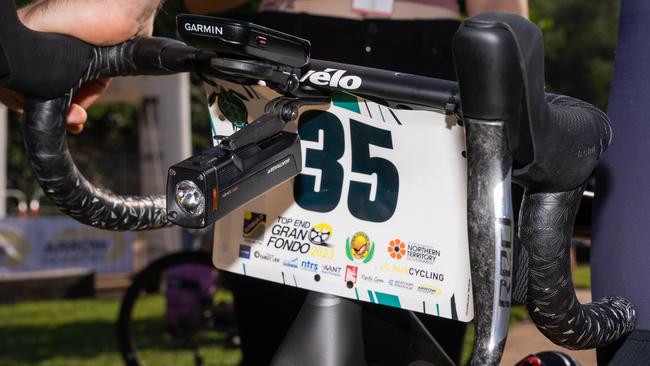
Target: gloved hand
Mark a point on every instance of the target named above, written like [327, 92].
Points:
[45, 69]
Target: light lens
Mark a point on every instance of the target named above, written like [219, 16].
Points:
[190, 198]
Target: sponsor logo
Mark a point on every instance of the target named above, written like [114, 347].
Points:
[244, 251]
[505, 262]
[290, 235]
[335, 78]
[266, 257]
[411, 271]
[360, 248]
[401, 284]
[254, 226]
[320, 234]
[397, 249]
[292, 263]
[423, 273]
[289, 245]
[394, 268]
[412, 251]
[211, 29]
[372, 279]
[430, 290]
[422, 253]
[309, 266]
[278, 165]
[351, 274]
[322, 252]
[331, 270]
[13, 249]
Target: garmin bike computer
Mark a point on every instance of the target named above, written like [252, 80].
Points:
[233, 37]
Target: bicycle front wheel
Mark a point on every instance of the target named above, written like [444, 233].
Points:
[177, 312]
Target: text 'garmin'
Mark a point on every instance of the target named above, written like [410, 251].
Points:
[212, 29]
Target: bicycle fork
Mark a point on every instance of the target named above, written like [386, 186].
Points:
[490, 234]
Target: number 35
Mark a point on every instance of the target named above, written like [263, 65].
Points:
[326, 160]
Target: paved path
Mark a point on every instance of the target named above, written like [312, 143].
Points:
[524, 339]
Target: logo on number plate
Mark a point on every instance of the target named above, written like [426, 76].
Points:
[244, 251]
[359, 248]
[254, 225]
[266, 256]
[292, 263]
[412, 251]
[351, 274]
[331, 270]
[320, 234]
[397, 249]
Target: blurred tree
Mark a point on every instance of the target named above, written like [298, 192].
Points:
[579, 40]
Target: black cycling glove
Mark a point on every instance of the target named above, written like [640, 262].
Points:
[42, 65]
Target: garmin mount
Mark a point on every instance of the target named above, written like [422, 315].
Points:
[248, 53]
[212, 183]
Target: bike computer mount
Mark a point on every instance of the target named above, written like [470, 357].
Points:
[246, 51]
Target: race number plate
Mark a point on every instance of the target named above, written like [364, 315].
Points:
[378, 213]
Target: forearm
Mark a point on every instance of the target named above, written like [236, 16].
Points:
[100, 22]
[519, 7]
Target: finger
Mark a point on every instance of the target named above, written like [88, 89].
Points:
[11, 99]
[77, 116]
[90, 91]
[75, 129]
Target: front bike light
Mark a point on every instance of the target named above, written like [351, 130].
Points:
[190, 198]
[214, 182]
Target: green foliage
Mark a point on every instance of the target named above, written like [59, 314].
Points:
[579, 41]
[582, 276]
[80, 333]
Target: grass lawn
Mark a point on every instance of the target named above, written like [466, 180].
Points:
[82, 332]
[79, 333]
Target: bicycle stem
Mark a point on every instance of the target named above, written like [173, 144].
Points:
[490, 234]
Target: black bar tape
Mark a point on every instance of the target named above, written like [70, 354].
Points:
[47, 150]
[546, 225]
[142, 56]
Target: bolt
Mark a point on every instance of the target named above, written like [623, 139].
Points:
[292, 83]
[289, 113]
[172, 172]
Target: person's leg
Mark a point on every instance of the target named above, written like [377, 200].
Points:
[265, 311]
[620, 258]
